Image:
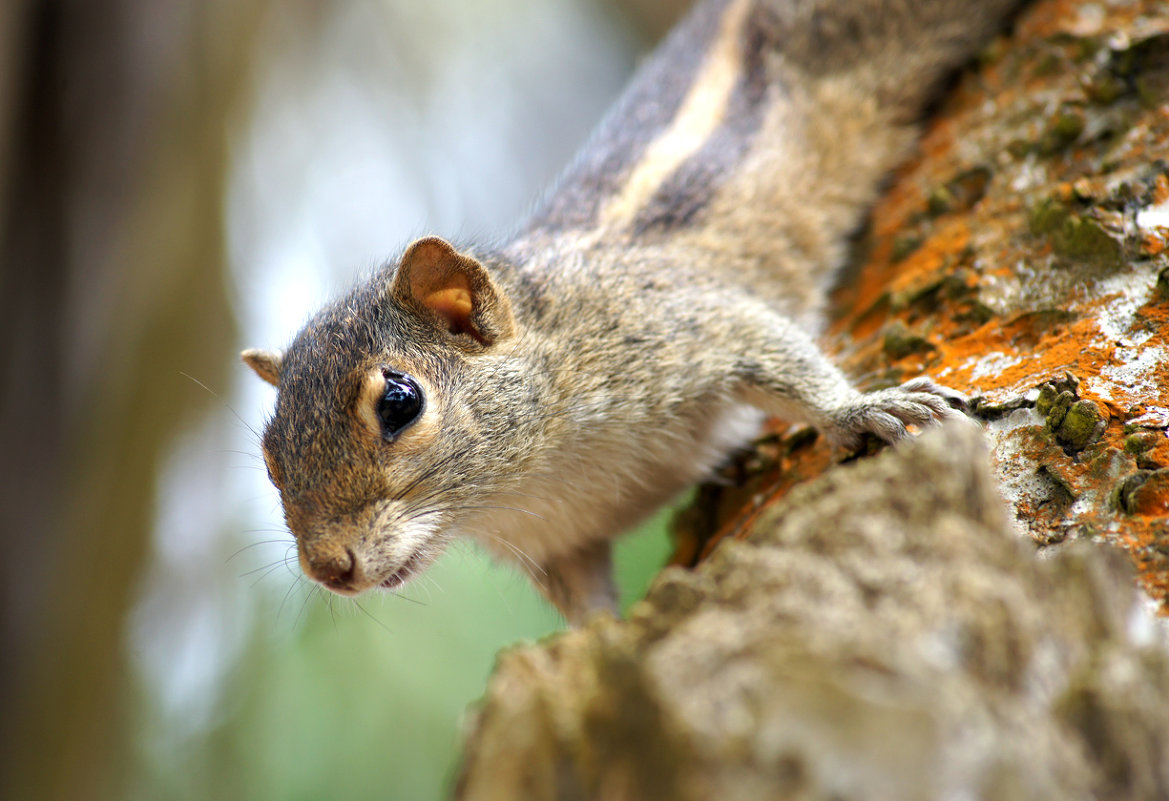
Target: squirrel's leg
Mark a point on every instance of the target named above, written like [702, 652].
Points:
[580, 583]
[785, 373]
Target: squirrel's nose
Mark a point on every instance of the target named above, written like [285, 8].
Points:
[338, 569]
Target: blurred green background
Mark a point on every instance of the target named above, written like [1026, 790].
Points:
[180, 179]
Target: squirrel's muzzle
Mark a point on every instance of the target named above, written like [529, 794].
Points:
[335, 567]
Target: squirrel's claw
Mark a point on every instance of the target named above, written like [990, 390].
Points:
[885, 413]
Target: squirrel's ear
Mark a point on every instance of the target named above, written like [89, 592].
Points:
[266, 363]
[454, 290]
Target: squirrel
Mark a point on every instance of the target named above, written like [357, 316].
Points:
[545, 394]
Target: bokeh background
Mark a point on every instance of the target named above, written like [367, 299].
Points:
[180, 179]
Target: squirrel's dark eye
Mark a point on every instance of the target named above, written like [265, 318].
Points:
[400, 404]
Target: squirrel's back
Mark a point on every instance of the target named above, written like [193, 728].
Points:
[758, 134]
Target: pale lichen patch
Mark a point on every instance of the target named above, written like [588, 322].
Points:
[1139, 371]
[1155, 216]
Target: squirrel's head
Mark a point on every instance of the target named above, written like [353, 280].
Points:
[392, 417]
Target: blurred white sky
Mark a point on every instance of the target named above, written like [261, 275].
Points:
[372, 125]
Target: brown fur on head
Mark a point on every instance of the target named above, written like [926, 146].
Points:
[362, 501]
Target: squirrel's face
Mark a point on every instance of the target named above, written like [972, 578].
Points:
[383, 409]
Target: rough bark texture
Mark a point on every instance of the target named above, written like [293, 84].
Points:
[870, 640]
[886, 630]
[1023, 260]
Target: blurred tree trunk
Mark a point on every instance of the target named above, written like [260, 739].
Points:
[884, 631]
[113, 152]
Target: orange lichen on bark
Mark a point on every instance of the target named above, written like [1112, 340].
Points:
[1053, 280]
[783, 457]
[1007, 261]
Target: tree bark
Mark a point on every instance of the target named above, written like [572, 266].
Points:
[869, 640]
[886, 630]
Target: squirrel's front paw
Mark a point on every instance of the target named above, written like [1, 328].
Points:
[886, 412]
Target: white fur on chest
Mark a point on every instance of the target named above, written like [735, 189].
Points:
[584, 496]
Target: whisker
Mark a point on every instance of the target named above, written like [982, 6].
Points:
[304, 604]
[227, 405]
[485, 507]
[404, 597]
[426, 584]
[367, 613]
[288, 559]
[267, 570]
[521, 554]
[251, 545]
[255, 457]
[280, 610]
